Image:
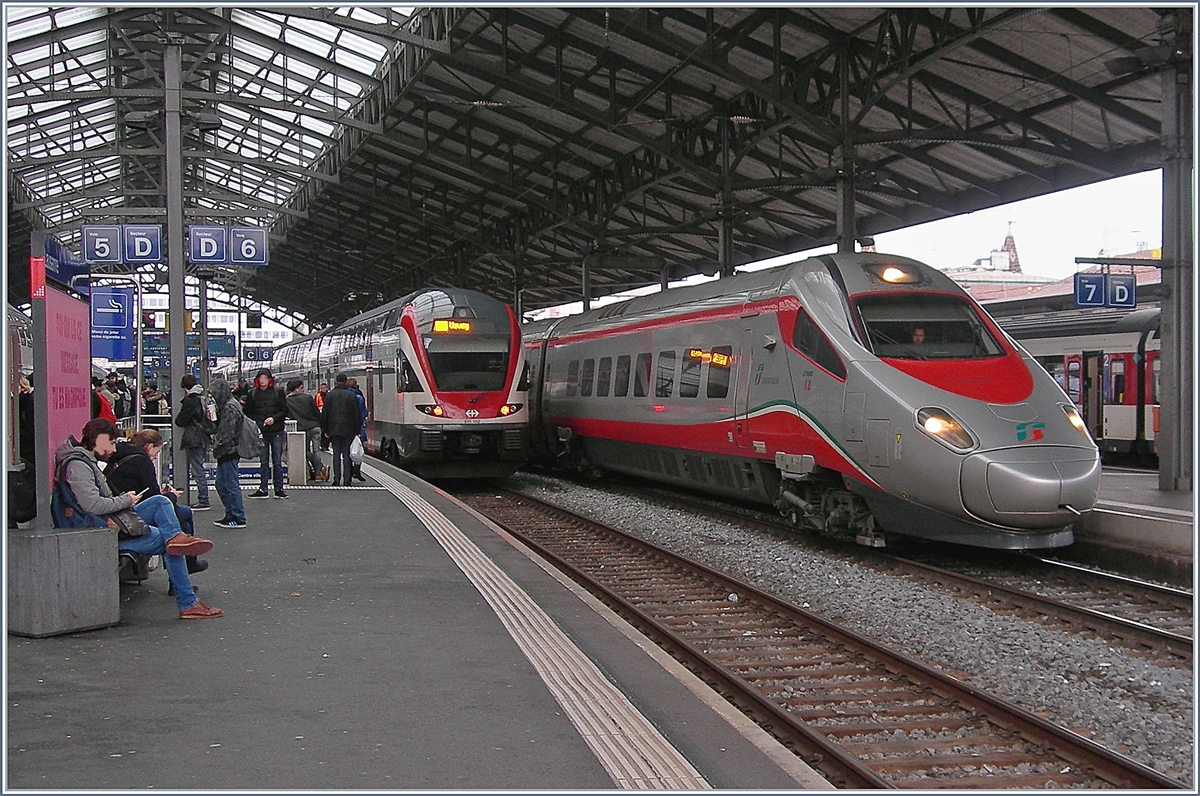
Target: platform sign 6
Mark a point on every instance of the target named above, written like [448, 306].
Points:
[143, 243]
[102, 244]
[247, 246]
[208, 245]
[1089, 290]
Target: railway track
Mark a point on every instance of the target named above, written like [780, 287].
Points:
[862, 714]
[1147, 617]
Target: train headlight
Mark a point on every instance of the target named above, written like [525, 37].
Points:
[939, 424]
[509, 409]
[1076, 420]
[433, 410]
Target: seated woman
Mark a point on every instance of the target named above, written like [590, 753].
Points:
[77, 468]
[131, 469]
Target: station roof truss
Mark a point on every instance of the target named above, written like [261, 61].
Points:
[387, 149]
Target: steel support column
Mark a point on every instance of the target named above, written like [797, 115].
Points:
[1176, 434]
[725, 230]
[176, 306]
[846, 226]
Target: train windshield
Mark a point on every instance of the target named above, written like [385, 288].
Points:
[924, 326]
[459, 371]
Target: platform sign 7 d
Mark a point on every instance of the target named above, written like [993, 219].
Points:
[1106, 290]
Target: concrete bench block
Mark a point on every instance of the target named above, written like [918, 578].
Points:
[297, 467]
[62, 581]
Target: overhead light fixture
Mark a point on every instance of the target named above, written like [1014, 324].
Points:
[141, 120]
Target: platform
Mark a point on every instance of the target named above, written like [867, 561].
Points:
[375, 637]
[1139, 528]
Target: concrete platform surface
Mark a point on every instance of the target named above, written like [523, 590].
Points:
[354, 654]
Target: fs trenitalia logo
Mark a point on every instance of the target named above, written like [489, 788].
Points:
[1030, 432]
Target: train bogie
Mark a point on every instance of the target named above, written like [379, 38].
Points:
[860, 395]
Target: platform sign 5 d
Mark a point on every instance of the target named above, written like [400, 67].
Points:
[143, 243]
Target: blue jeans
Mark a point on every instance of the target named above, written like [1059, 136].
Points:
[230, 491]
[184, 515]
[272, 448]
[312, 441]
[163, 526]
[197, 470]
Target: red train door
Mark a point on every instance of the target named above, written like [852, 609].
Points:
[1093, 392]
[741, 390]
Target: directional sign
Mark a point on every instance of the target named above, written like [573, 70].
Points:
[1089, 290]
[247, 246]
[112, 323]
[62, 264]
[208, 245]
[102, 244]
[143, 243]
[1122, 291]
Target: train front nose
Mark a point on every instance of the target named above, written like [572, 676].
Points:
[1034, 488]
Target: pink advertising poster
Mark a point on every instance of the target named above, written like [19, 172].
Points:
[68, 368]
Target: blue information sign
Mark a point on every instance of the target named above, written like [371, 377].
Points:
[102, 244]
[208, 245]
[143, 243]
[247, 246]
[257, 353]
[1122, 291]
[62, 264]
[112, 323]
[1089, 290]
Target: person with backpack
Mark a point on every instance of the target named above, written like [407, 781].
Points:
[225, 451]
[267, 406]
[197, 437]
[82, 498]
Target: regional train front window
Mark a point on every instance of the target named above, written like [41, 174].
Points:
[924, 326]
[459, 371]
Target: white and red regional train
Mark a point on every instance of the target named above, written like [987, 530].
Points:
[861, 394]
[443, 375]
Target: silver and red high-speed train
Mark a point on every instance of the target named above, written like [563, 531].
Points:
[859, 393]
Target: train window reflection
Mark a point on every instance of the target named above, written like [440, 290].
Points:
[621, 383]
[808, 340]
[602, 376]
[587, 377]
[718, 375]
[572, 377]
[664, 385]
[641, 379]
[924, 326]
[469, 370]
[689, 377]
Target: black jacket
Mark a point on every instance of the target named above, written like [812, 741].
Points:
[229, 422]
[131, 470]
[302, 408]
[340, 417]
[261, 404]
[197, 428]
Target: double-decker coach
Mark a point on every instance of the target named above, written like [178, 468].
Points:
[443, 374]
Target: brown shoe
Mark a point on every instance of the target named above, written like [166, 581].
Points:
[324, 473]
[200, 611]
[183, 545]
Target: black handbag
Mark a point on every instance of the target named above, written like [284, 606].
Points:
[128, 524]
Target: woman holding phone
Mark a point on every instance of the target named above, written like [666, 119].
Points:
[131, 469]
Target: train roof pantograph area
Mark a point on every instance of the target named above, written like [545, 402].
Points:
[502, 149]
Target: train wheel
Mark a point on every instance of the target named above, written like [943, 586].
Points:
[393, 453]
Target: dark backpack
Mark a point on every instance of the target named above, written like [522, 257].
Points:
[22, 496]
[250, 439]
[65, 511]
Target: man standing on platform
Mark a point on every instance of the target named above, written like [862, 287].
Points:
[225, 451]
[341, 421]
[197, 436]
[267, 406]
[303, 409]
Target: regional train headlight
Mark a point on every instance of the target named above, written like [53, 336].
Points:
[433, 410]
[1076, 420]
[509, 409]
[939, 424]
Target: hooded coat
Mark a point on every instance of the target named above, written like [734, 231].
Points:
[197, 428]
[130, 469]
[229, 422]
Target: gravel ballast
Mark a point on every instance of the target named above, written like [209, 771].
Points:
[1121, 701]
